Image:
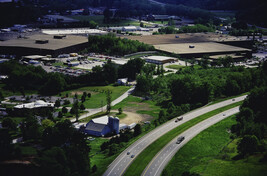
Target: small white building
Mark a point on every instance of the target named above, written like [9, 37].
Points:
[122, 81]
[131, 126]
[129, 28]
[123, 126]
[36, 104]
[159, 60]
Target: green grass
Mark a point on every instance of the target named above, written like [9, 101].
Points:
[210, 153]
[99, 20]
[27, 150]
[120, 116]
[98, 94]
[143, 159]
[59, 64]
[177, 67]
[148, 107]
[159, 22]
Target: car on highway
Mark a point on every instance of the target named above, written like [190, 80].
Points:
[180, 139]
[128, 153]
[132, 156]
[179, 118]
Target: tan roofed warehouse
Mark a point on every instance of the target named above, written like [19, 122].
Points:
[53, 46]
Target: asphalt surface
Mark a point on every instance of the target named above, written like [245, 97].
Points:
[96, 110]
[160, 161]
[122, 162]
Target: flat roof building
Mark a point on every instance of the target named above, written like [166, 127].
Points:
[189, 50]
[54, 47]
[159, 60]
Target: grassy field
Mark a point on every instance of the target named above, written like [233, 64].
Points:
[210, 153]
[143, 159]
[159, 22]
[99, 20]
[177, 67]
[59, 64]
[139, 106]
[98, 94]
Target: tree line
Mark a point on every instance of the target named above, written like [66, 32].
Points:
[190, 88]
[22, 78]
[251, 125]
[112, 45]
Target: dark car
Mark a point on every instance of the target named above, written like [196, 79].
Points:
[180, 139]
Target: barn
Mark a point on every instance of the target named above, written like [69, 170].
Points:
[102, 126]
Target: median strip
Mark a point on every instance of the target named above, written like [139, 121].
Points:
[143, 159]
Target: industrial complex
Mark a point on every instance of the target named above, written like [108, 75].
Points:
[199, 44]
[42, 44]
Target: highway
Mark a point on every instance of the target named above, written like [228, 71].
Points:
[122, 162]
[160, 161]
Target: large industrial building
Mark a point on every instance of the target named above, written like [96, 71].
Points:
[199, 44]
[41, 44]
[196, 50]
[102, 126]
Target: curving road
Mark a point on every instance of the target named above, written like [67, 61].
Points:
[122, 162]
[96, 110]
[159, 162]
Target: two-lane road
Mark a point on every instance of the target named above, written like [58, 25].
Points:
[160, 161]
[122, 162]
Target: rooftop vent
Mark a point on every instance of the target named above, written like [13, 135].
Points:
[59, 36]
[41, 41]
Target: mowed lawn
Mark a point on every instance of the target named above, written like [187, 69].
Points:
[139, 106]
[210, 153]
[98, 94]
[177, 67]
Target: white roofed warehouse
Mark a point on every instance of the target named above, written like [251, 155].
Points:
[159, 60]
[38, 107]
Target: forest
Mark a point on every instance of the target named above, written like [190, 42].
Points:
[62, 149]
[192, 87]
[111, 45]
[250, 11]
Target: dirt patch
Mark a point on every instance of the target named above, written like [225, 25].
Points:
[133, 117]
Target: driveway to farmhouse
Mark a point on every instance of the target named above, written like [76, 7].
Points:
[96, 110]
